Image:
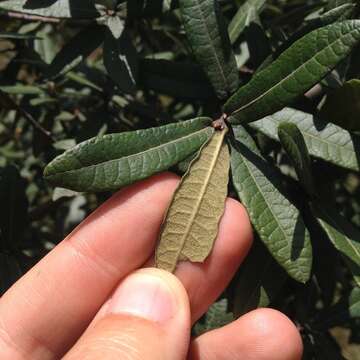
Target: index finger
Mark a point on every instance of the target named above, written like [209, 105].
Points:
[66, 288]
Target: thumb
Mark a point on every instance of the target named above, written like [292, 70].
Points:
[148, 317]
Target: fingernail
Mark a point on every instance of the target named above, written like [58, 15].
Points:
[146, 296]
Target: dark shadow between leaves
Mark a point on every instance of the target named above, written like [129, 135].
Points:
[38, 4]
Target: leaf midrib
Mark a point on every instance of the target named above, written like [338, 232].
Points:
[210, 42]
[132, 155]
[287, 77]
[202, 192]
[263, 196]
[348, 240]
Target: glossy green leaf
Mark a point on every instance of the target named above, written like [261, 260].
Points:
[294, 144]
[344, 236]
[57, 9]
[112, 161]
[342, 106]
[212, 50]
[294, 72]
[76, 51]
[191, 223]
[323, 140]
[243, 17]
[277, 221]
[259, 282]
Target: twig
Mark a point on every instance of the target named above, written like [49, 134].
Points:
[32, 17]
[27, 116]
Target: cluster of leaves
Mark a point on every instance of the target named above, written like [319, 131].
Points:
[280, 77]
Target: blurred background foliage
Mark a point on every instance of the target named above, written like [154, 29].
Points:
[46, 109]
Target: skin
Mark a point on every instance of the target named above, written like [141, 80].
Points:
[69, 304]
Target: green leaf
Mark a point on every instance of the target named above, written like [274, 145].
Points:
[294, 144]
[121, 61]
[216, 317]
[212, 51]
[191, 223]
[20, 89]
[344, 236]
[294, 72]
[243, 17]
[259, 282]
[277, 221]
[323, 140]
[58, 9]
[112, 161]
[76, 51]
[13, 209]
[342, 106]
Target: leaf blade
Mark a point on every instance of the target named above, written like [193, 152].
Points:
[342, 234]
[295, 71]
[324, 140]
[277, 221]
[115, 160]
[203, 190]
[205, 36]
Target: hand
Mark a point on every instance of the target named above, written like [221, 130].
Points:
[87, 300]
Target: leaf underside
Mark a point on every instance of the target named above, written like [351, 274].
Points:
[323, 140]
[112, 161]
[277, 221]
[295, 71]
[191, 223]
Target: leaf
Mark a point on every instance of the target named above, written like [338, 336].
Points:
[184, 80]
[112, 161]
[20, 89]
[58, 9]
[277, 221]
[343, 235]
[342, 106]
[259, 282]
[294, 72]
[191, 223]
[216, 317]
[120, 60]
[243, 17]
[323, 140]
[207, 41]
[13, 209]
[76, 51]
[294, 144]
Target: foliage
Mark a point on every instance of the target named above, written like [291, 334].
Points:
[275, 82]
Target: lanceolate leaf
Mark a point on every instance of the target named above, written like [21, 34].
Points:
[243, 17]
[191, 224]
[112, 161]
[342, 234]
[58, 9]
[295, 71]
[293, 142]
[77, 50]
[323, 140]
[277, 221]
[207, 41]
[259, 281]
